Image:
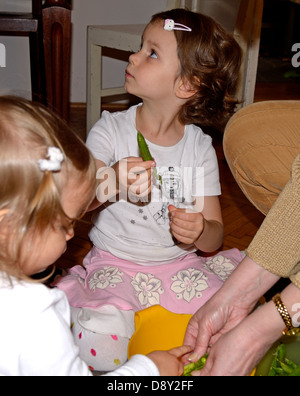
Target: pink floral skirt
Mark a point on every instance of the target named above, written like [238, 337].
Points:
[182, 286]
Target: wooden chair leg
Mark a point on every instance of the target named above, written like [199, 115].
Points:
[57, 52]
[37, 67]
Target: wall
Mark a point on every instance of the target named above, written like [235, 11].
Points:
[15, 5]
[15, 77]
[104, 12]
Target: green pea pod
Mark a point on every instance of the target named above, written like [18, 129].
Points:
[144, 149]
[290, 363]
[281, 366]
[272, 370]
[287, 369]
[281, 352]
[189, 368]
[146, 155]
[279, 372]
[295, 372]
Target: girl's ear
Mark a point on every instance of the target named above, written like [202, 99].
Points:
[3, 213]
[3, 229]
[185, 89]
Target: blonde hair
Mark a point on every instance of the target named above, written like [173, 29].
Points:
[30, 198]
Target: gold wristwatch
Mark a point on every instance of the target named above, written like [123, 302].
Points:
[290, 330]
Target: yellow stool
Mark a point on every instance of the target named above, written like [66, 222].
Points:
[157, 329]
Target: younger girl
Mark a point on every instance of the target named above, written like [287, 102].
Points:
[145, 252]
[47, 179]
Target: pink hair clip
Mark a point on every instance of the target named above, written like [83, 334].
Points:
[171, 25]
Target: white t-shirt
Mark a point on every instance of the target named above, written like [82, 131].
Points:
[35, 336]
[188, 169]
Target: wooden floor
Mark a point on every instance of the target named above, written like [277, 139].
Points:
[241, 219]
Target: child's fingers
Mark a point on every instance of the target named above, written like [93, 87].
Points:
[183, 214]
[186, 228]
[139, 163]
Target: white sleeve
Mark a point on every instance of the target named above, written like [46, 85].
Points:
[101, 139]
[48, 346]
[138, 365]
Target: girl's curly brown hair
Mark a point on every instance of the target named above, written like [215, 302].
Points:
[210, 61]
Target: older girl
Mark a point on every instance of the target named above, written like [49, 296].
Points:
[145, 252]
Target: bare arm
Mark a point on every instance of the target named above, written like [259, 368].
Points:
[229, 306]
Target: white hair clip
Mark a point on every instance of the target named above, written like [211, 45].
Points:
[171, 25]
[54, 160]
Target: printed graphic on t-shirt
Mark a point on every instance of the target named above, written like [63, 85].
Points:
[171, 192]
[172, 186]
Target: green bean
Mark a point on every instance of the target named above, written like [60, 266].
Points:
[296, 372]
[279, 372]
[290, 363]
[281, 365]
[144, 149]
[189, 368]
[281, 352]
[288, 370]
[146, 155]
[272, 371]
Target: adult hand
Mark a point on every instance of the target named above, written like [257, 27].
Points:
[228, 307]
[218, 316]
[237, 352]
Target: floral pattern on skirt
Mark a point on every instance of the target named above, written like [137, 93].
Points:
[181, 286]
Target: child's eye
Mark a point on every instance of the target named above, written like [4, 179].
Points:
[153, 54]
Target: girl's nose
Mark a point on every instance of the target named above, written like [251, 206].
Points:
[133, 58]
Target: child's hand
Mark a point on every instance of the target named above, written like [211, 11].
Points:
[133, 177]
[186, 227]
[169, 362]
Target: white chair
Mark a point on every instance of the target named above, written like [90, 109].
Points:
[127, 38]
